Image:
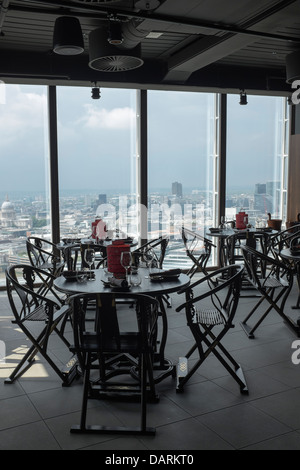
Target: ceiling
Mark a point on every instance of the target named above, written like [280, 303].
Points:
[206, 45]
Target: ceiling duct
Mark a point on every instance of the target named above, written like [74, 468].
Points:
[106, 57]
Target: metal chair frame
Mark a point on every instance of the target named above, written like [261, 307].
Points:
[201, 322]
[29, 304]
[44, 254]
[191, 242]
[104, 346]
[273, 279]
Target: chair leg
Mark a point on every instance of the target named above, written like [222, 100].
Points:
[234, 368]
[98, 429]
[39, 345]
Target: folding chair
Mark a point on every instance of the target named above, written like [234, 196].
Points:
[282, 240]
[198, 249]
[153, 251]
[153, 254]
[273, 280]
[25, 290]
[44, 254]
[220, 314]
[111, 351]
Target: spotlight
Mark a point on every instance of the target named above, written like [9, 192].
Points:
[67, 36]
[243, 98]
[95, 93]
[115, 33]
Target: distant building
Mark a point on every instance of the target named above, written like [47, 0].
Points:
[177, 189]
[8, 215]
[102, 199]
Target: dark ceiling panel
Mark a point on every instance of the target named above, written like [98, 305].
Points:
[198, 37]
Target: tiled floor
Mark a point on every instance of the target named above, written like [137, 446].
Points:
[36, 412]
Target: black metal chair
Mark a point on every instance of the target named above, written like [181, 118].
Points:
[153, 251]
[100, 254]
[282, 240]
[198, 249]
[25, 289]
[273, 280]
[44, 254]
[221, 303]
[153, 254]
[106, 347]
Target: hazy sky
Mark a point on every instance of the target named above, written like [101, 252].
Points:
[97, 139]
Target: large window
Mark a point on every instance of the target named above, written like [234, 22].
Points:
[24, 158]
[257, 140]
[97, 160]
[181, 166]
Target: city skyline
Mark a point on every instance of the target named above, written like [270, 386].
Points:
[101, 134]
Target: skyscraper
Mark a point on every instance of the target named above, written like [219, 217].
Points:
[177, 189]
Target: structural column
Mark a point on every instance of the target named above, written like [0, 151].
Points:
[53, 153]
[142, 169]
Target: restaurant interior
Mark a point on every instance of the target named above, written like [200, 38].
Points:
[249, 49]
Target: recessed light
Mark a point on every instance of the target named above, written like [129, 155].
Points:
[154, 35]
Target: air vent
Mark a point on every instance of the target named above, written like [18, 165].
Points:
[116, 63]
[106, 57]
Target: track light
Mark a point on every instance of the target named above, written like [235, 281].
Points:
[96, 92]
[243, 98]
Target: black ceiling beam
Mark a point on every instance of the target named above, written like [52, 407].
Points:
[163, 18]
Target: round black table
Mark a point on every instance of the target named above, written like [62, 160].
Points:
[255, 233]
[149, 287]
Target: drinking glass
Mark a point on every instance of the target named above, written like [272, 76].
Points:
[135, 279]
[89, 258]
[126, 262]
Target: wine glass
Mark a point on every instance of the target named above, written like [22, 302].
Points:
[126, 262]
[89, 258]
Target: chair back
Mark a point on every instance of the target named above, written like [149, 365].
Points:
[107, 332]
[282, 240]
[224, 295]
[198, 249]
[262, 268]
[31, 286]
[44, 254]
[156, 248]
[99, 249]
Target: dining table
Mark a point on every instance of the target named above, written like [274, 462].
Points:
[157, 288]
[261, 234]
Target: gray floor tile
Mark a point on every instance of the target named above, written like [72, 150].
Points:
[243, 425]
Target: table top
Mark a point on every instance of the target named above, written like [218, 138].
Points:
[103, 243]
[147, 286]
[286, 253]
[224, 233]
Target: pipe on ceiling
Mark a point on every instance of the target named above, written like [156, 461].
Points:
[3, 11]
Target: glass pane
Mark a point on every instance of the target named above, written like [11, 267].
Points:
[255, 155]
[24, 194]
[181, 162]
[97, 161]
